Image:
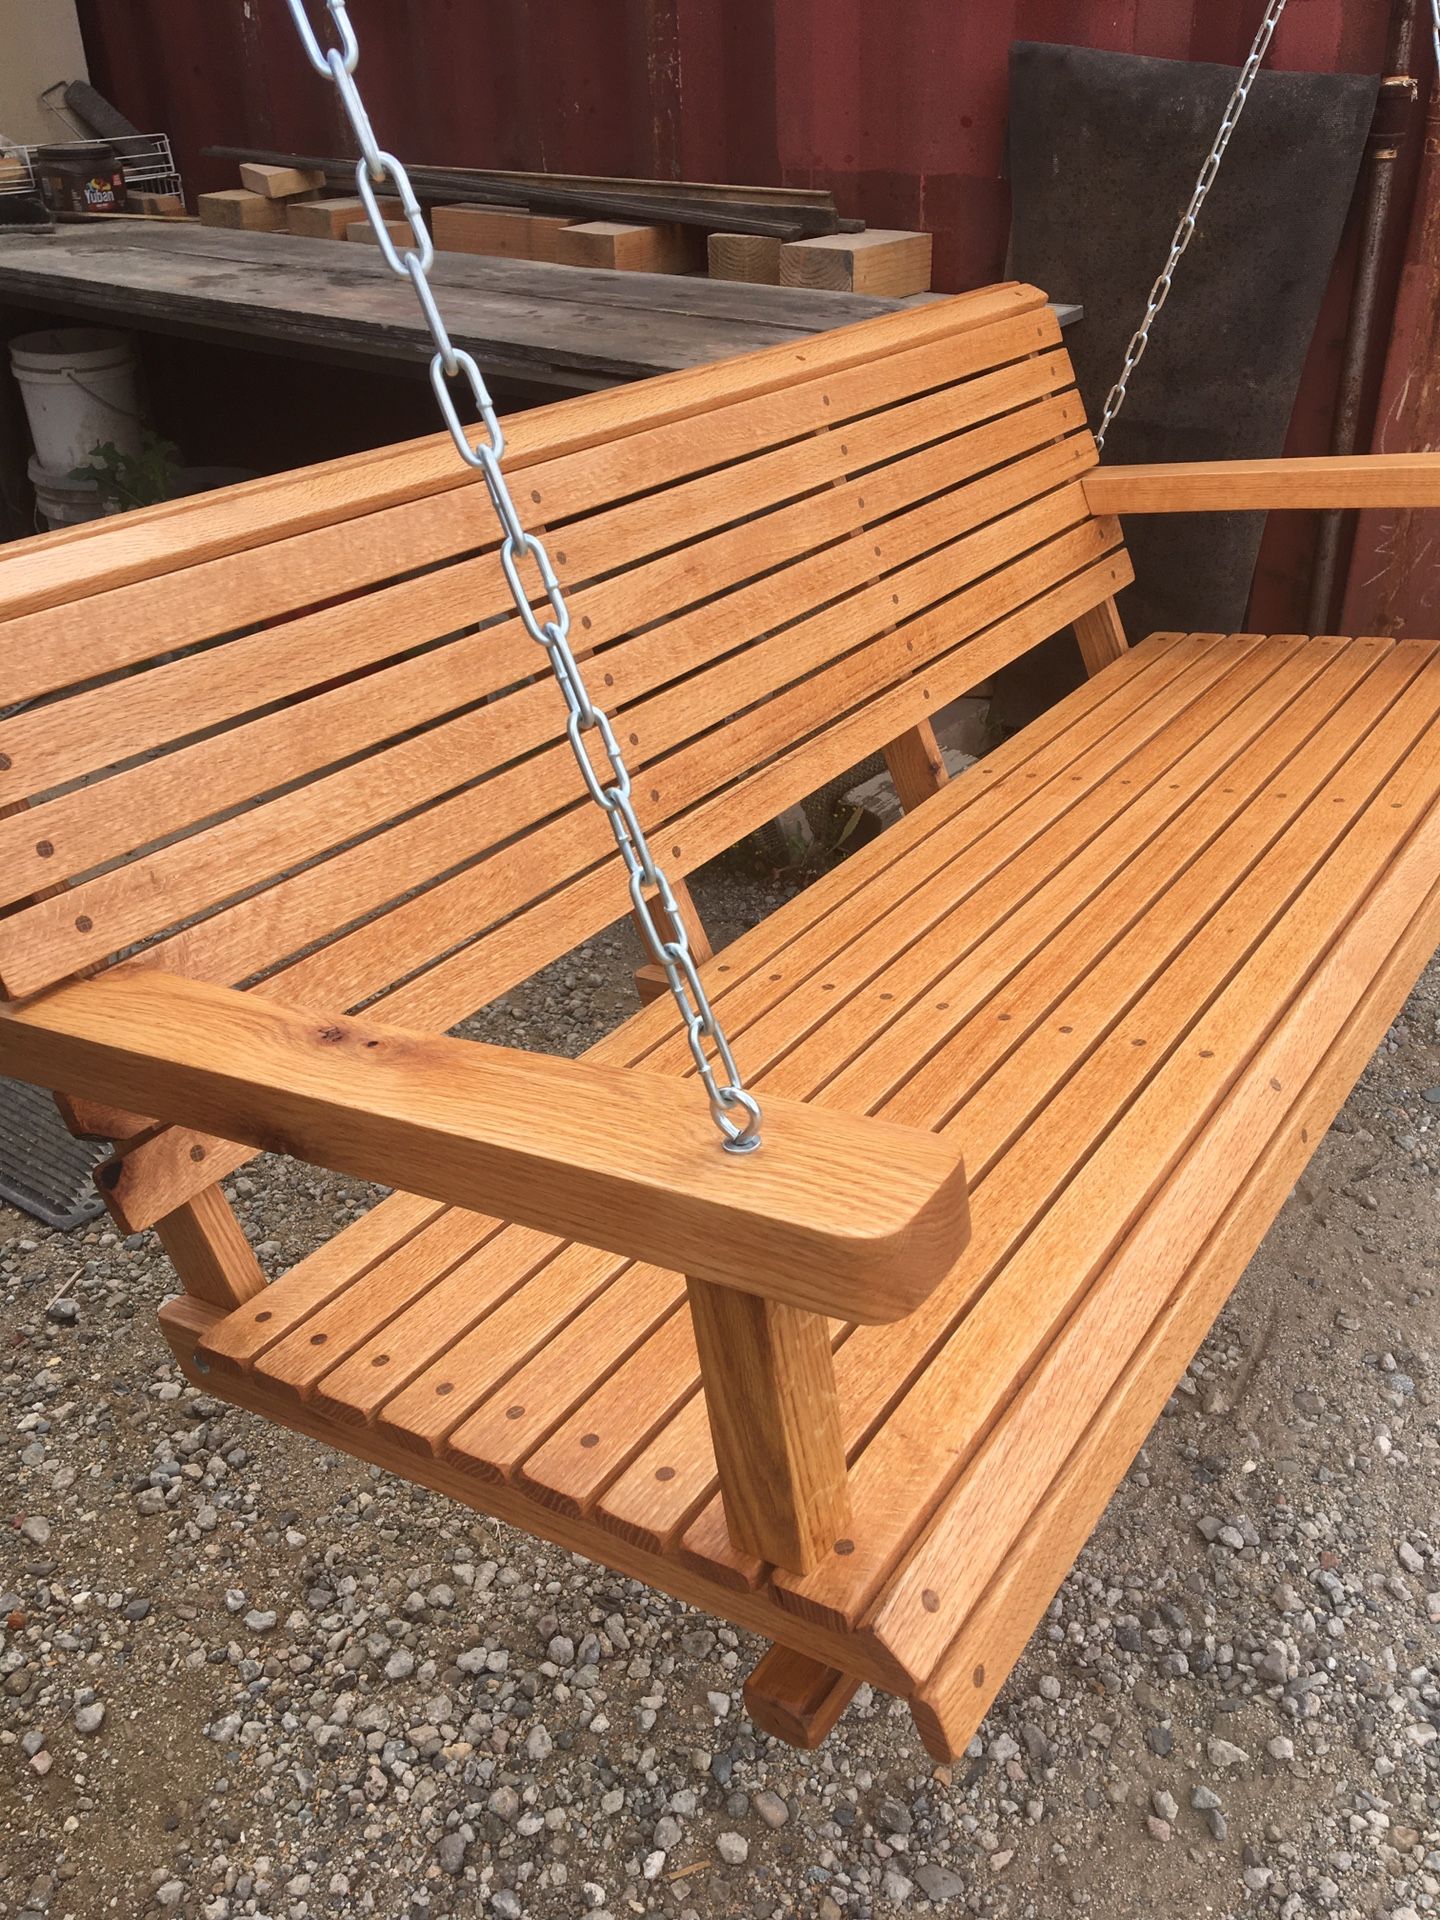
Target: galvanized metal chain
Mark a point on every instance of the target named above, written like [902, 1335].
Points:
[736, 1112]
[1185, 232]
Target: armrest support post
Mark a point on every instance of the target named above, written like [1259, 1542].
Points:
[769, 1381]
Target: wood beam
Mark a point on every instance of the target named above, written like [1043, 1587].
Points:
[769, 1380]
[1101, 635]
[1230, 486]
[209, 1251]
[835, 1213]
[916, 765]
[796, 1698]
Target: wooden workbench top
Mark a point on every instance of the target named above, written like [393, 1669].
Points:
[571, 326]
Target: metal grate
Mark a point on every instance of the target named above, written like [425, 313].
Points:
[145, 159]
[43, 1169]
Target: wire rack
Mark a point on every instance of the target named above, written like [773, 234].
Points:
[145, 159]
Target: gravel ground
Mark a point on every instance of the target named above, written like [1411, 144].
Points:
[239, 1676]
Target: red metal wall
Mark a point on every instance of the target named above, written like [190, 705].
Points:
[898, 105]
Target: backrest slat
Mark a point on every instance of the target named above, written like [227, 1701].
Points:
[337, 798]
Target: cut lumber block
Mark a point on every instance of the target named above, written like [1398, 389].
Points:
[505, 233]
[330, 219]
[398, 230]
[745, 256]
[280, 183]
[238, 207]
[614, 243]
[164, 205]
[882, 260]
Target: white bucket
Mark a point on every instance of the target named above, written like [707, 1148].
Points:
[78, 384]
[63, 502]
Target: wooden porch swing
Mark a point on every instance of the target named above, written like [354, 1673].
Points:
[285, 757]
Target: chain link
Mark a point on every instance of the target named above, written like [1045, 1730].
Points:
[736, 1112]
[1185, 232]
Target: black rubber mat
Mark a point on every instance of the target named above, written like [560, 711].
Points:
[1104, 149]
[43, 1170]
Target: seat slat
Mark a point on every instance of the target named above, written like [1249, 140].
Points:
[386, 1227]
[507, 1425]
[976, 1662]
[448, 1237]
[958, 1553]
[1103, 969]
[475, 1363]
[1223, 1021]
[830, 902]
[646, 1510]
[529, 1270]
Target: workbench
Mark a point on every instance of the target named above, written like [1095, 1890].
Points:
[569, 327]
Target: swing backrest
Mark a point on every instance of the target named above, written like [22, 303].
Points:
[288, 733]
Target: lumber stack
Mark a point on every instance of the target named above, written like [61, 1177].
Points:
[772, 236]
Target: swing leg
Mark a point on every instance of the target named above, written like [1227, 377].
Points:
[795, 1698]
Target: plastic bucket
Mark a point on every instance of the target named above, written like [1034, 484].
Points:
[78, 385]
[63, 502]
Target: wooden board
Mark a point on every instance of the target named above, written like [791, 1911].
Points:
[502, 232]
[279, 183]
[362, 233]
[631, 249]
[744, 256]
[1229, 486]
[331, 219]
[880, 260]
[526, 319]
[238, 207]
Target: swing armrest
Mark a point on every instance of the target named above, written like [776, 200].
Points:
[853, 1217]
[1228, 486]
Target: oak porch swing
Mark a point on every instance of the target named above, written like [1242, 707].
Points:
[840, 1390]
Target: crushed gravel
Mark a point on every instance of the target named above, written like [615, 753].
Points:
[242, 1676]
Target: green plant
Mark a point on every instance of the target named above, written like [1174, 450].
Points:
[132, 479]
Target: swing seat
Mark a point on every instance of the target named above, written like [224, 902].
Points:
[1039, 1064]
